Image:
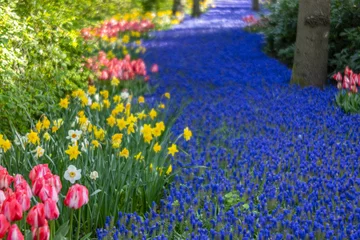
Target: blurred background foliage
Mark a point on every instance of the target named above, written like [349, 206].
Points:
[344, 38]
[42, 51]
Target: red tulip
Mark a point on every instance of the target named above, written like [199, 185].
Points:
[21, 184]
[51, 210]
[4, 225]
[77, 196]
[36, 216]
[12, 209]
[44, 233]
[39, 171]
[5, 178]
[2, 197]
[48, 192]
[15, 233]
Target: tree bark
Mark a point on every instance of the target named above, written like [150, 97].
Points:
[196, 8]
[255, 5]
[312, 43]
[178, 6]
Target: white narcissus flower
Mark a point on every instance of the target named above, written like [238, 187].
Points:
[124, 95]
[94, 175]
[89, 101]
[74, 135]
[39, 152]
[72, 174]
[97, 97]
[84, 145]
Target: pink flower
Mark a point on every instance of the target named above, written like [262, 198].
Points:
[337, 77]
[36, 216]
[5, 178]
[39, 171]
[51, 210]
[77, 196]
[4, 225]
[21, 184]
[23, 199]
[155, 68]
[12, 209]
[15, 233]
[44, 232]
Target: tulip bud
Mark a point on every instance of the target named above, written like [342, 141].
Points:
[44, 233]
[36, 216]
[51, 210]
[15, 233]
[4, 225]
[77, 196]
[5, 178]
[12, 209]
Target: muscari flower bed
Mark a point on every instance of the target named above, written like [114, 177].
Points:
[271, 161]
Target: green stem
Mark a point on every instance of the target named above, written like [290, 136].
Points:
[79, 225]
[52, 229]
[71, 223]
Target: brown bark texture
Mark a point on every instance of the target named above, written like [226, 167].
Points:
[196, 8]
[312, 43]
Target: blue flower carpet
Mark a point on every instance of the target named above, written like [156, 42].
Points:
[268, 160]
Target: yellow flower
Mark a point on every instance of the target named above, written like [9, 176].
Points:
[151, 167]
[124, 153]
[117, 99]
[78, 93]
[160, 125]
[169, 170]
[139, 156]
[141, 99]
[64, 103]
[38, 126]
[130, 128]
[121, 123]
[187, 134]
[91, 90]
[111, 121]
[141, 115]
[33, 137]
[116, 140]
[172, 150]
[95, 143]
[106, 103]
[73, 152]
[127, 109]
[84, 101]
[47, 136]
[95, 106]
[119, 108]
[115, 82]
[126, 39]
[146, 129]
[104, 94]
[153, 113]
[131, 119]
[161, 105]
[81, 113]
[57, 124]
[99, 133]
[83, 120]
[45, 123]
[156, 132]
[167, 95]
[5, 144]
[160, 170]
[157, 147]
[138, 42]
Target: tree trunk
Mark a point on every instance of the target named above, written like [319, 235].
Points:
[196, 8]
[255, 5]
[312, 41]
[178, 6]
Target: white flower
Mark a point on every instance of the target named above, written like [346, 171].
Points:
[97, 97]
[89, 101]
[94, 175]
[72, 174]
[39, 152]
[74, 136]
[84, 145]
[124, 95]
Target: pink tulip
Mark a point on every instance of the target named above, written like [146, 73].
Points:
[15, 233]
[77, 196]
[12, 209]
[51, 210]
[155, 68]
[21, 184]
[23, 199]
[4, 225]
[36, 216]
[44, 233]
[39, 171]
[5, 178]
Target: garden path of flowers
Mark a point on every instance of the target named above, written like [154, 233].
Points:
[268, 160]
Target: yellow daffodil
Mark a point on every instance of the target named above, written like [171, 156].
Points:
[172, 150]
[141, 115]
[126, 39]
[38, 126]
[124, 153]
[116, 140]
[152, 113]
[111, 121]
[33, 137]
[151, 167]
[167, 95]
[99, 133]
[117, 99]
[141, 99]
[161, 106]
[139, 156]
[91, 90]
[169, 170]
[187, 134]
[64, 103]
[45, 123]
[121, 123]
[47, 136]
[160, 125]
[5, 144]
[73, 152]
[157, 147]
[95, 143]
[95, 106]
[115, 82]
[106, 103]
[104, 94]
[130, 128]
